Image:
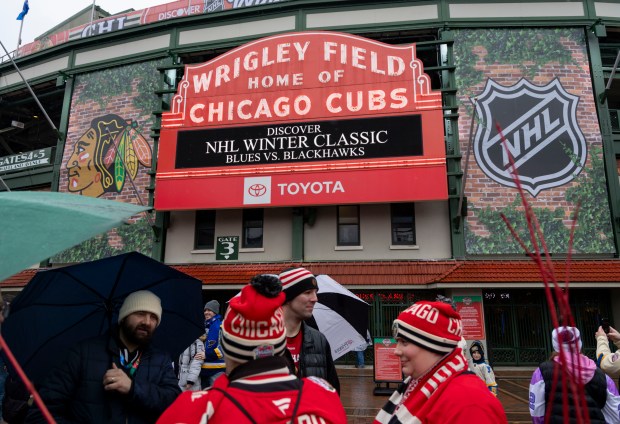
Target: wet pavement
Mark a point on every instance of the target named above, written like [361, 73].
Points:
[361, 405]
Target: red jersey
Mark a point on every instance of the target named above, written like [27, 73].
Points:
[261, 391]
[293, 344]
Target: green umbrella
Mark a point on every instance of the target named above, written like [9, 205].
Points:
[37, 225]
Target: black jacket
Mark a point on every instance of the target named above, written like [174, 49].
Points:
[315, 358]
[73, 392]
[595, 393]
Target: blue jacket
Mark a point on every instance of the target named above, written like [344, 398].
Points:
[73, 391]
[214, 357]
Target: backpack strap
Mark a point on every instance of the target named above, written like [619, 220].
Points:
[236, 403]
[247, 414]
[301, 385]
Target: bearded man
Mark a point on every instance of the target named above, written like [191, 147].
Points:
[116, 378]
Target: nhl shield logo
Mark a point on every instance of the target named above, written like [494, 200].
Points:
[541, 132]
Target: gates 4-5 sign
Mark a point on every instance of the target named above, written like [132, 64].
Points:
[227, 248]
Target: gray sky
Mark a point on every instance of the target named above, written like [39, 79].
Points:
[46, 14]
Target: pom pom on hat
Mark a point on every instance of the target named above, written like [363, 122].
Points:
[569, 336]
[433, 326]
[140, 301]
[212, 305]
[295, 281]
[253, 326]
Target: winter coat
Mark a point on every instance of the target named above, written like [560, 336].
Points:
[447, 393]
[73, 391]
[609, 362]
[16, 401]
[315, 358]
[189, 367]
[464, 401]
[214, 357]
[261, 391]
[482, 369]
[601, 395]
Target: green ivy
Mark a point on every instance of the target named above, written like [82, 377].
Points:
[526, 48]
[593, 233]
[135, 237]
[101, 86]
[501, 241]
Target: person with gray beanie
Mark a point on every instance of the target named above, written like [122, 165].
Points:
[115, 378]
[214, 364]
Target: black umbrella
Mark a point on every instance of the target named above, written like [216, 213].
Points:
[66, 305]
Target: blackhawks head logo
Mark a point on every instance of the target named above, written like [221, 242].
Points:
[541, 132]
[106, 155]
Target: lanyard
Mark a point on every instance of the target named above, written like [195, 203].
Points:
[131, 366]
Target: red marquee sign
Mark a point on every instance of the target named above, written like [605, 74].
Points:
[306, 118]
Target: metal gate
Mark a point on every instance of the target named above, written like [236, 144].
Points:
[518, 326]
[385, 307]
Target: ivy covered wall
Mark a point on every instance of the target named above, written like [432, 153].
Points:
[109, 151]
[491, 65]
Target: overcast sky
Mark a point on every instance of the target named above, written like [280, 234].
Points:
[46, 14]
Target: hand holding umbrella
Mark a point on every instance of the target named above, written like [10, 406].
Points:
[116, 379]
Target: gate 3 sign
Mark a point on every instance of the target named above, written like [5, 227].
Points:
[227, 248]
[323, 117]
[541, 134]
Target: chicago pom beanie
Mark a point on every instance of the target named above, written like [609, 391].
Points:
[295, 281]
[253, 326]
[212, 305]
[568, 335]
[140, 301]
[433, 326]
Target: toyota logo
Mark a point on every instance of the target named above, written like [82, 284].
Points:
[257, 190]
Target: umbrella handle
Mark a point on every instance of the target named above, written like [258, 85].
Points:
[22, 375]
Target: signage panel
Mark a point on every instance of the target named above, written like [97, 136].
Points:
[399, 184]
[384, 137]
[472, 316]
[134, 18]
[323, 117]
[227, 248]
[21, 161]
[387, 366]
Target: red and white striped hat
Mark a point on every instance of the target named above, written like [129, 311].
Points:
[434, 326]
[253, 326]
[295, 281]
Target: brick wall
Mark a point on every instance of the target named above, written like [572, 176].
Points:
[483, 192]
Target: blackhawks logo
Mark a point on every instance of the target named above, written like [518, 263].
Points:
[540, 126]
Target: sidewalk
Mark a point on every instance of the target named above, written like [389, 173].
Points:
[361, 406]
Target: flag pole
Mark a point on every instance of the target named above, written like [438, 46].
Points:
[92, 15]
[34, 96]
[19, 37]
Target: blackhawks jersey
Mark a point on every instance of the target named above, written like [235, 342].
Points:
[260, 391]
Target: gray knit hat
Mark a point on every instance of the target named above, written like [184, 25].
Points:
[212, 305]
[140, 301]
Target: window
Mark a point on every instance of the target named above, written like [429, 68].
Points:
[403, 223]
[252, 228]
[204, 237]
[348, 225]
